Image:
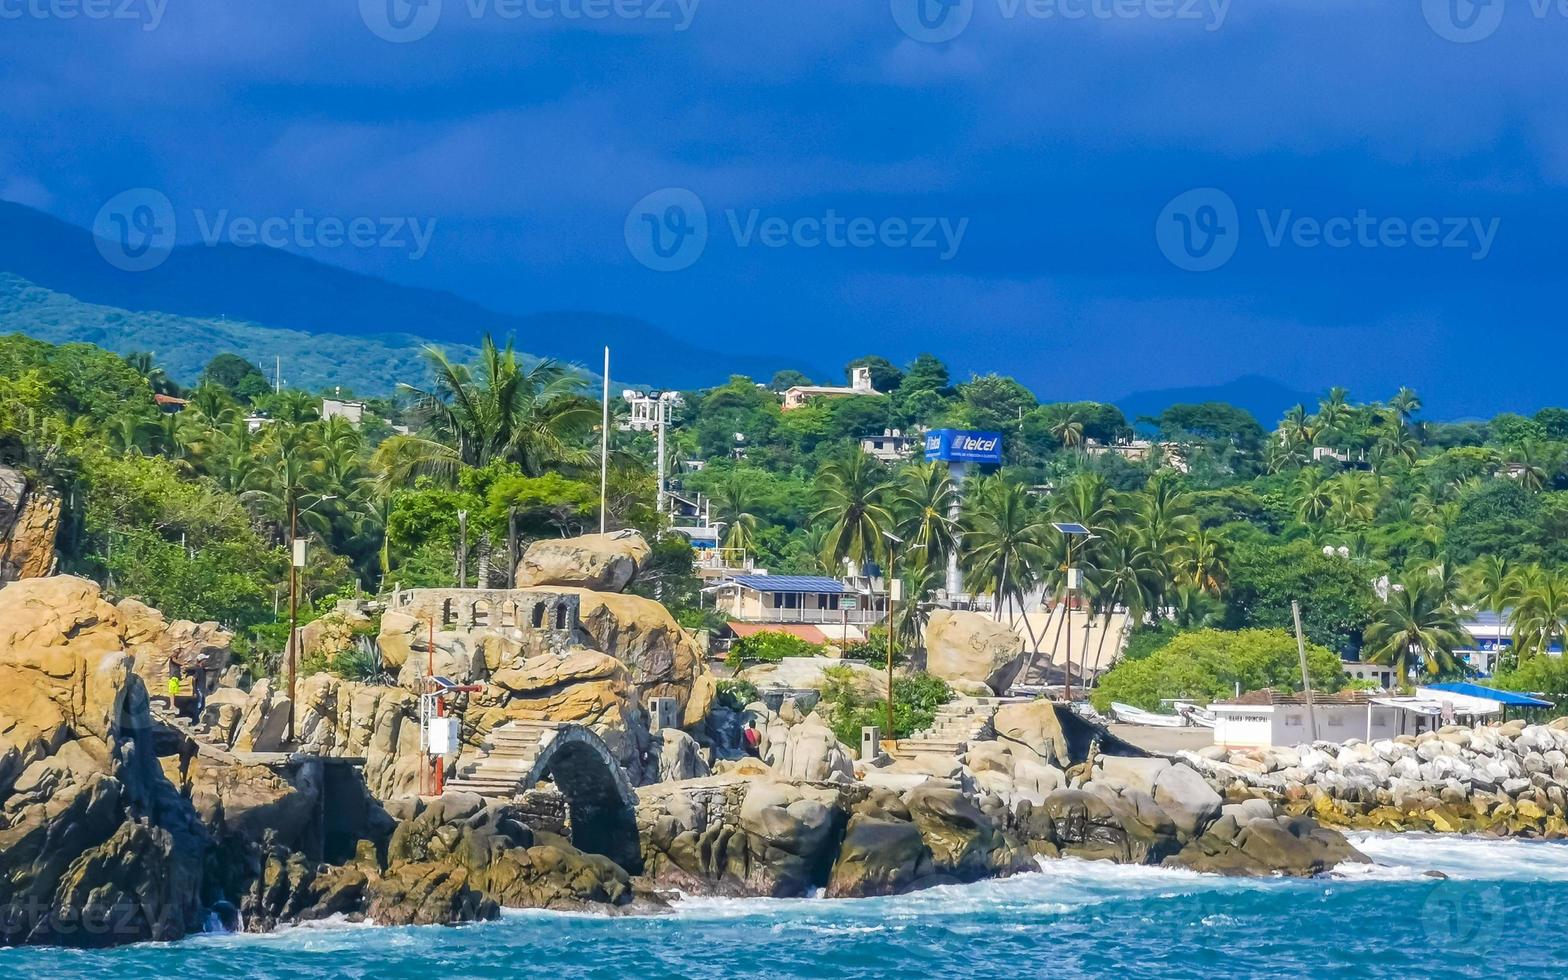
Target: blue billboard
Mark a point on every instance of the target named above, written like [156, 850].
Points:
[964, 446]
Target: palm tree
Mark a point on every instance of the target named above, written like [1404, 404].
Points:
[1533, 464]
[1396, 442]
[497, 410]
[923, 502]
[1314, 496]
[1492, 582]
[1416, 623]
[1202, 562]
[1405, 403]
[157, 379]
[129, 434]
[1334, 413]
[734, 498]
[1540, 615]
[1296, 428]
[852, 492]
[1005, 550]
[1356, 495]
[1193, 608]
[1165, 520]
[1068, 431]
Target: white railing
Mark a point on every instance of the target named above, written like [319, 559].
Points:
[854, 617]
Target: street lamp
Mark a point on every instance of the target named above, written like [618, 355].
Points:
[1072, 531]
[894, 586]
[296, 566]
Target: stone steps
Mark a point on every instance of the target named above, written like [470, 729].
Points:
[953, 727]
[505, 761]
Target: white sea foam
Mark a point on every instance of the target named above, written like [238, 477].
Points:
[1469, 858]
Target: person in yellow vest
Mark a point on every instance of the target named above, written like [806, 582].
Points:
[174, 687]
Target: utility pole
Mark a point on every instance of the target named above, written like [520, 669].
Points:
[462, 549]
[894, 587]
[1306, 681]
[1067, 613]
[296, 562]
[604, 447]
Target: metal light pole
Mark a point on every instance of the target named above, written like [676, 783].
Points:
[296, 561]
[1072, 531]
[893, 588]
[296, 567]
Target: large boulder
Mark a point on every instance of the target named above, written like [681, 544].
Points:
[1261, 845]
[879, 856]
[732, 835]
[91, 832]
[29, 522]
[810, 751]
[1190, 801]
[600, 562]
[157, 643]
[1034, 727]
[679, 756]
[661, 657]
[970, 648]
[581, 686]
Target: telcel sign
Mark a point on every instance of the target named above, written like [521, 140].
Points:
[964, 446]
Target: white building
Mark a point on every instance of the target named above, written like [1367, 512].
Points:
[892, 446]
[1380, 674]
[1261, 719]
[860, 384]
[336, 408]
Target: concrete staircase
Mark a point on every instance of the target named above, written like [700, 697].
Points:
[506, 760]
[957, 723]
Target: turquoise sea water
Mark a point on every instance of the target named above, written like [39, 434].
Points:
[1503, 910]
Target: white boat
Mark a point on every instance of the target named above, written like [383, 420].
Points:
[1137, 716]
[1202, 717]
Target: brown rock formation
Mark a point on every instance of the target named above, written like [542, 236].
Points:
[601, 562]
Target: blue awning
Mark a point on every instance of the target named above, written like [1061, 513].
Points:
[1511, 698]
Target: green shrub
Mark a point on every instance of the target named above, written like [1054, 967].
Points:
[768, 647]
[1208, 665]
[1544, 676]
[736, 694]
[915, 700]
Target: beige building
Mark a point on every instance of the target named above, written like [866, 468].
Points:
[860, 384]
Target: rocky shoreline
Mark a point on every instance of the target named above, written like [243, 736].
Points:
[1507, 779]
[121, 824]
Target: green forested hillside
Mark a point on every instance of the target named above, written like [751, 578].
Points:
[371, 365]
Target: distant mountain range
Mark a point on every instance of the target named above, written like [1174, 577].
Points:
[333, 327]
[1266, 399]
[212, 293]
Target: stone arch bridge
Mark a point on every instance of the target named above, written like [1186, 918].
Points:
[601, 805]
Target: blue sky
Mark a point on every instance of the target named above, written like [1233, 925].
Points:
[1001, 197]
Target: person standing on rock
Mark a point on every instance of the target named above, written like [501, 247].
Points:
[188, 751]
[753, 739]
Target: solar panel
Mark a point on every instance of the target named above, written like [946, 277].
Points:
[1066, 528]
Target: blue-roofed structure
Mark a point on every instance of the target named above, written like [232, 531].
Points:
[809, 599]
[1511, 699]
[792, 583]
